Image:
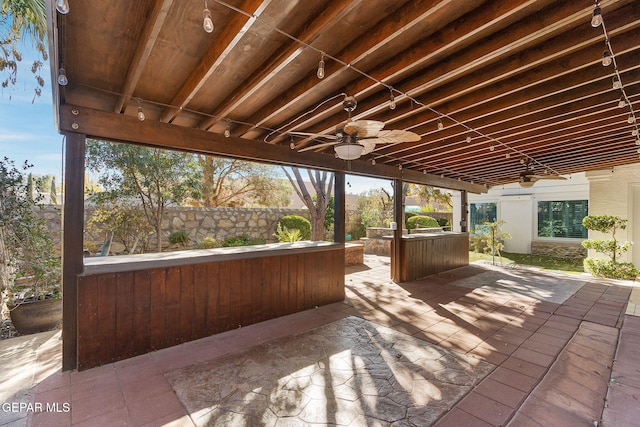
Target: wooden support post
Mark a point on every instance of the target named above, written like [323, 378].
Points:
[339, 215]
[464, 211]
[398, 218]
[72, 245]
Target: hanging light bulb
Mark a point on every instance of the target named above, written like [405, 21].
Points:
[392, 100]
[631, 119]
[607, 59]
[634, 132]
[424, 171]
[400, 167]
[141, 115]
[440, 124]
[321, 64]
[227, 132]
[622, 102]
[373, 162]
[491, 147]
[62, 6]
[596, 19]
[508, 155]
[292, 145]
[207, 22]
[468, 137]
[617, 84]
[62, 77]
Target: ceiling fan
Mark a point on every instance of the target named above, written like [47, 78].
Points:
[528, 177]
[359, 137]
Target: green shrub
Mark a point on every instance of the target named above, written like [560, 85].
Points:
[297, 222]
[179, 238]
[420, 221]
[208, 243]
[285, 235]
[242, 240]
[444, 223]
[611, 269]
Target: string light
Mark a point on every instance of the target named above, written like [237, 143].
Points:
[227, 132]
[62, 77]
[392, 100]
[141, 115]
[622, 102]
[631, 119]
[616, 83]
[440, 124]
[207, 22]
[596, 19]
[373, 162]
[468, 137]
[606, 58]
[62, 6]
[321, 65]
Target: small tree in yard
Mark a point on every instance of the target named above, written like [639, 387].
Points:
[490, 238]
[612, 248]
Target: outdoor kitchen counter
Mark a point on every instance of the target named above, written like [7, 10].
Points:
[122, 263]
[431, 253]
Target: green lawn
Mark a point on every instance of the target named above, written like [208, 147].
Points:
[544, 262]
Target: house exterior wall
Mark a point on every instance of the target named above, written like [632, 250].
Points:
[617, 192]
[518, 207]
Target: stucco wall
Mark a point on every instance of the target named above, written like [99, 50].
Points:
[617, 192]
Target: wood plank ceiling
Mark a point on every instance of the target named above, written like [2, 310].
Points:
[513, 81]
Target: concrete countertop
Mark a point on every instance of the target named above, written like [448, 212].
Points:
[122, 263]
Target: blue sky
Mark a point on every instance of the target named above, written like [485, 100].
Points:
[27, 129]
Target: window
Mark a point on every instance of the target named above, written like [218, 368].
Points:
[481, 213]
[562, 219]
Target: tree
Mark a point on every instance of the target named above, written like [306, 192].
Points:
[152, 176]
[26, 248]
[428, 194]
[612, 248]
[229, 182]
[322, 183]
[20, 20]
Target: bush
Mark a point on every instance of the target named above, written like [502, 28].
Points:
[179, 238]
[611, 269]
[242, 240]
[444, 223]
[285, 235]
[420, 221]
[208, 243]
[291, 222]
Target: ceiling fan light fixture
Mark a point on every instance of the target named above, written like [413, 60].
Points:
[349, 151]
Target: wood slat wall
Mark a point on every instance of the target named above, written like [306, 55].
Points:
[121, 315]
[424, 257]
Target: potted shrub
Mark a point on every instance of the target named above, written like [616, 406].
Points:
[29, 268]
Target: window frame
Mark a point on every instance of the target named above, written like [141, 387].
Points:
[553, 238]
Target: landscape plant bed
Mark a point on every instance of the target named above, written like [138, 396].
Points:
[541, 261]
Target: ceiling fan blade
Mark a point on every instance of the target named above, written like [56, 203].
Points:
[395, 136]
[313, 135]
[369, 145]
[364, 128]
[550, 177]
[313, 147]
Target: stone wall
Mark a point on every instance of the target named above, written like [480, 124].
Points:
[218, 223]
[558, 249]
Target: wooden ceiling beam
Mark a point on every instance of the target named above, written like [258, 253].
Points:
[416, 13]
[233, 32]
[120, 128]
[147, 40]
[499, 45]
[335, 11]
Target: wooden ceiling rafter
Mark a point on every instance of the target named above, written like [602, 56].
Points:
[213, 58]
[147, 41]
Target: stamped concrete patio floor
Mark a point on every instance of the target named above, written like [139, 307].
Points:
[477, 346]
